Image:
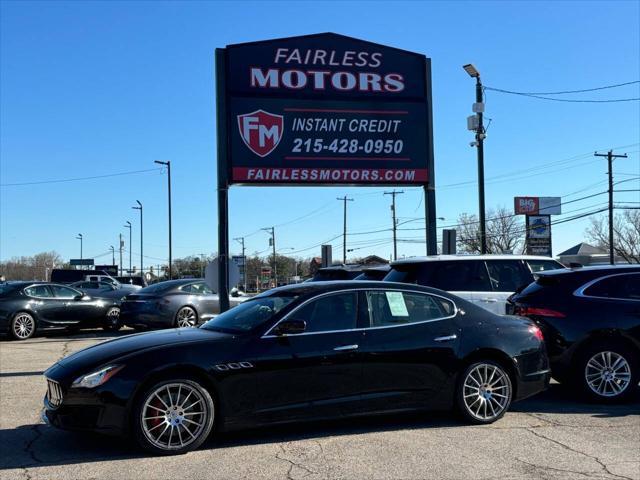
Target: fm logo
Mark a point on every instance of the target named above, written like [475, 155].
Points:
[261, 131]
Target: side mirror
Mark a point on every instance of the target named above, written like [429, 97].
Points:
[291, 327]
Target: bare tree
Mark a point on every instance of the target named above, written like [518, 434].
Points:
[505, 232]
[37, 267]
[626, 231]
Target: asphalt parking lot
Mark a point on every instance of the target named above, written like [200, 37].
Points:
[547, 437]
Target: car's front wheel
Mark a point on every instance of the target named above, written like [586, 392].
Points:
[112, 322]
[174, 417]
[607, 372]
[484, 392]
[23, 326]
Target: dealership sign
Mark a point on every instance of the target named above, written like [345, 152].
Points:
[538, 205]
[326, 109]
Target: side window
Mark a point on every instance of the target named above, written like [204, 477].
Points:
[396, 308]
[204, 289]
[508, 275]
[64, 292]
[40, 291]
[619, 286]
[187, 288]
[332, 312]
[460, 275]
[543, 265]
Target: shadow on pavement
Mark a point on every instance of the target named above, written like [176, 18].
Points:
[40, 445]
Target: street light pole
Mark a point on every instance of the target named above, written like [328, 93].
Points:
[244, 263]
[479, 143]
[139, 207]
[168, 165]
[128, 225]
[79, 237]
[395, 222]
[344, 234]
[274, 272]
[113, 255]
[120, 240]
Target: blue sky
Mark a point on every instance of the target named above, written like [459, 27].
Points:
[95, 88]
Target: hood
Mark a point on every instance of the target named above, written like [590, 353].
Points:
[102, 353]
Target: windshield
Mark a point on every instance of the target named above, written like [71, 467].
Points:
[401, 276]
[248, 315]
[158, 287]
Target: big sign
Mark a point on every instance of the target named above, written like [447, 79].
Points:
[326, 109]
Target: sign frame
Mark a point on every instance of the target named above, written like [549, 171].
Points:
[224, 123]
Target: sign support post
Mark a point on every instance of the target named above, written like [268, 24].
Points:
[223, 182]
[430, 185]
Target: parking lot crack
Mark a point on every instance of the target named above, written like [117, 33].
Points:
[293, 465]
[28, 448]
[603, 466]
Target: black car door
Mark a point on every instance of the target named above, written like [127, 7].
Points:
[42, 302]
[410, 351]
[316, 373]
[77, 309]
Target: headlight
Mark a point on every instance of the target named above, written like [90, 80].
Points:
[97, 378]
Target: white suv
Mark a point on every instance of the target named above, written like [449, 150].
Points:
[486, 280]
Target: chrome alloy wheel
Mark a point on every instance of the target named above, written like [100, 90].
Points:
[608, 374]
[186, 317]
[174, 416]
[487, 392]
[23, 326]
[113, 316]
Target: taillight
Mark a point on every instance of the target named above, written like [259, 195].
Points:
[536, 332]
[536, 311]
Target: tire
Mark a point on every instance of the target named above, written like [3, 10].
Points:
[607, 372]
[186, 426]
[23, 326]
[186, 317]
[484, 392]
[112, 320]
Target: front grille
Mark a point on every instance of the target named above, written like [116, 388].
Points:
[54, 393]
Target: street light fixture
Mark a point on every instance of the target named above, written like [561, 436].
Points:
[478, 108]
[79, 237]
[128, 225]
[139, 207]
[168, 165]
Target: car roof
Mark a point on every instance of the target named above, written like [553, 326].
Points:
[349, 267]
[334, 285]
[441, 258]
[592, 270]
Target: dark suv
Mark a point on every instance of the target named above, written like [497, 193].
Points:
[486, 280]
[590, 318]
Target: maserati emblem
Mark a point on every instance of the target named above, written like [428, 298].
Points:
[261, 131]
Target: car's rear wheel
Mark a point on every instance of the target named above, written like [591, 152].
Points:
[113, 320]
[186, 317]
[607, 372]
[484, 392]
[174, 417]
[23, 326]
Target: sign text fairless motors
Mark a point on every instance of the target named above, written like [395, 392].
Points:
[326, 109]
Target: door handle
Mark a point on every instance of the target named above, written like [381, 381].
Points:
[489, 300]
[345, 348]
[448, 338]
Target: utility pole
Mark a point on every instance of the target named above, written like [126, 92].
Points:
[344, 234]
[393, 217]
[274, 271]
[120, 254]
[478, 108]
[113, 255]
[168, 165]
[139, 207]
[128, 225]
[610, 156]
[240, 240]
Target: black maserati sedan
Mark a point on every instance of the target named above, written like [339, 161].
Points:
[302, 352]
[590, 318]
[30, 307]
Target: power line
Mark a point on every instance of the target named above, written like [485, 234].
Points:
[569, 100]
[572, 91]
[77, 179]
